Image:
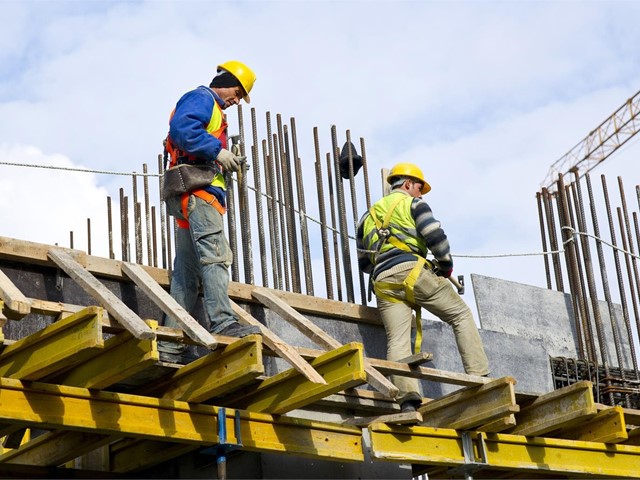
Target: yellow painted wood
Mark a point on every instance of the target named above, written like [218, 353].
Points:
[515, 453]
[341, 368]
[218, 373]
[562, 408]
[607, 427]
[499, 425]
[633, 437]
[122, 357]
[60, 407]
[473, 406]
[52, 448]
[59, 346]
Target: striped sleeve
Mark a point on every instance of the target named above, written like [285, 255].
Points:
[429, 228]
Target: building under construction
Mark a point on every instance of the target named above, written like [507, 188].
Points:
[83, 393]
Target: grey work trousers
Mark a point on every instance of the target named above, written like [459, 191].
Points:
[436, 295]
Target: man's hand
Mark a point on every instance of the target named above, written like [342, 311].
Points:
[229, 161]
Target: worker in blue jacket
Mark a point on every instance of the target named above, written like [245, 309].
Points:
[198, 137]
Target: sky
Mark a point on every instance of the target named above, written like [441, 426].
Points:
[483, 95]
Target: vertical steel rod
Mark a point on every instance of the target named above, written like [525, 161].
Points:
[243, 202]
[365, 172]
[336, 254]
[272, 186]
[621, 289]
[271, 212]
[551, 222]
[123, 228]
[88, 236]
[342, 218]
[302, 209]
[165, 233]
[328, 277]
[278, 191]
[154, 238]
[231, 224]
[544, 239]
[137, 231]
[110, 228]
[258, 197]
[615, 328]
[147, 212]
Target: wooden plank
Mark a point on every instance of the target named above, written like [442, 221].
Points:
[408, 418]
[275, 343]
[499, 425]
[561, 408]
[631, 415]
[607, 426]
[633, 437]
[388, 367]
[16, 304]
[56, 347]
[218, 373]
[304, 325]
[168, 305]
[361, 402]
[417, 359]
[122, 357]
[342, 368]
[471, 407]
[127, 317]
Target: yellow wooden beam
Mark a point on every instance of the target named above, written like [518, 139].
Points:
[472, 406]
[498, 451]
[122, 357]
[218, 373]
[341, 368]
[607, 426]
[60, 407]
[57, 347]
[561, 408]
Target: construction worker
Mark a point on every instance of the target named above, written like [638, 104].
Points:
[197, 137]
[393, 239]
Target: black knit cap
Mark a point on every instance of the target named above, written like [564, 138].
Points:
[225, 79]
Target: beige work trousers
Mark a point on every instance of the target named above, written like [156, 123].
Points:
[437, 296]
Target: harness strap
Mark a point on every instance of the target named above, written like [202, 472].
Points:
[407, 285]
[204, 195]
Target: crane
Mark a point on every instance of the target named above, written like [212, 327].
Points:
[599, 144]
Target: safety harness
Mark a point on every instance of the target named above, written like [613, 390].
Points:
[384, 235]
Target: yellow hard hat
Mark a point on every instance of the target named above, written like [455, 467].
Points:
[408, 170]
[244, 74]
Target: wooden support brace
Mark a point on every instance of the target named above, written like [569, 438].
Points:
[417, 359]
[473, 406]
[561, 408]
[408, 418]
[168, 305]
[275, 343]
[374, 378]
[342, 368]
[55, 348]
[127, 317]
[16, 305]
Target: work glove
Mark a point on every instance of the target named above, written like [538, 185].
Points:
[229, 161]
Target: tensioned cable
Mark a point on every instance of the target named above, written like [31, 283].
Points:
[501, 255]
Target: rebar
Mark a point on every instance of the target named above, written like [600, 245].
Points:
[302, 209]
[281, 212]
[243, 203]
[137, 221]
[231, 223]
[123, 228]
[328, 277]
[154, 238]
[615, 328]
[164, 225]
[544, 239]
[334, 231]
[88, 236]
[621, 289]
[274, 218]
[365, 172]
[110, 229]
[342, 217]
[147, 212]
[258, 196]
[271, 214]
[548, 205]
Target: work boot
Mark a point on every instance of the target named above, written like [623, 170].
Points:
[409, 406]
[239, 331]
[178, 358]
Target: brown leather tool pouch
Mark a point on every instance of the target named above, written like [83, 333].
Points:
[186, 178]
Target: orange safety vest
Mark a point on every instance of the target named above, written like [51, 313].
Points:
[217, 127]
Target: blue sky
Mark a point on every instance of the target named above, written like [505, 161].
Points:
[483, 95]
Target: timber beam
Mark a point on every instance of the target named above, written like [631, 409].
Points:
[16, 305]
[472, 407]
[472, 451]
[341, 368]
[56, 347]
[60, 407]
[560, 409]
